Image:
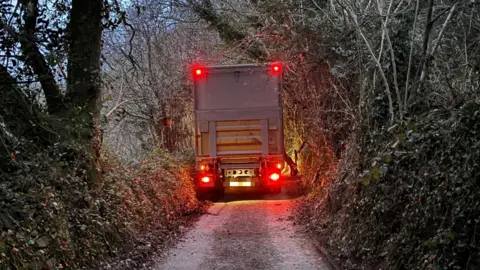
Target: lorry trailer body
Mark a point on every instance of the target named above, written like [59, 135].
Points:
[238, 127]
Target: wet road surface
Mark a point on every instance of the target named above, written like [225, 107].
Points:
[246, 231]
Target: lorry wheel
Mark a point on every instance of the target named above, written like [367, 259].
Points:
[219, 192]
[209, 194]
[204, 194]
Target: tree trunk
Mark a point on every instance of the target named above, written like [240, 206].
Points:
[83, 84]
[85, 30]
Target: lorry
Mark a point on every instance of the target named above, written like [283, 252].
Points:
[238, 127]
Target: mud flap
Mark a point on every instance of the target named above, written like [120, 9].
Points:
[211, 194]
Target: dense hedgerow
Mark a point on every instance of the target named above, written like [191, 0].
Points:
[52, 218]
[415, 204]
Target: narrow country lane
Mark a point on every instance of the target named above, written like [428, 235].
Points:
[257, 233]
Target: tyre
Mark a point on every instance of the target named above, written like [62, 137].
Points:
[210, 194]
[204, 194]
[218, 193]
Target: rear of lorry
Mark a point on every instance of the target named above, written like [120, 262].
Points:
[239, 127]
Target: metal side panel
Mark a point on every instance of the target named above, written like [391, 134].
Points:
[238, 115]
[213, 139]
[239, 137]
[239, 152]
[204, 144]
[237, 88]
[265, 137]
[239, 166]
[253, 138]
[203, 139]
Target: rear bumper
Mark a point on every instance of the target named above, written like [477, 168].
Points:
[250, 172]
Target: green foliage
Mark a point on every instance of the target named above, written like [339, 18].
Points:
[51, 216]
[421, 211]
[61, 204]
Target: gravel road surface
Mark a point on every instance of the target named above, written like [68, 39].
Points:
[246, 231]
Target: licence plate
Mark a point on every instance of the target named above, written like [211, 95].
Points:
[240, 184]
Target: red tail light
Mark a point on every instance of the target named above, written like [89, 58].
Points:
[274, 176]
[202, 167]
[198, 72]
[206, 179]
[279, 165]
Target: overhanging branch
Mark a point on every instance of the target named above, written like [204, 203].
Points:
[35, 59]
[18, 113]
[227, 32]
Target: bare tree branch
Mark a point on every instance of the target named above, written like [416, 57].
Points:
[377, 62]
[227, 32]
[392, 60]
[426, 41]
[410, 57]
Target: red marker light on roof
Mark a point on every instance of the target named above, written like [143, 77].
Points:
[276, 68]
[198, 71]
